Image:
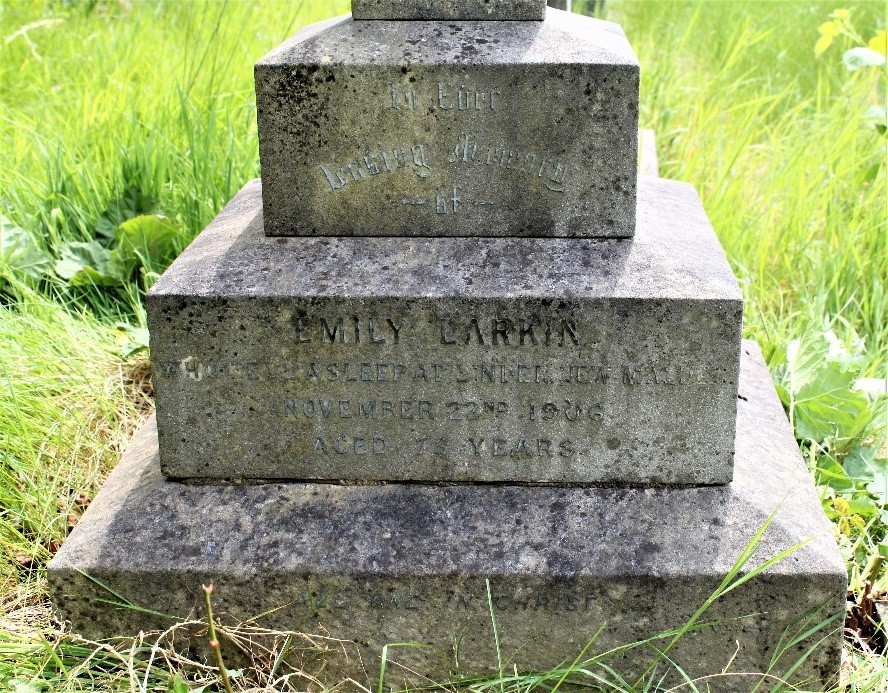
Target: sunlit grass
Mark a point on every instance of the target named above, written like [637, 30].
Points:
[101, 100]
[792, 177]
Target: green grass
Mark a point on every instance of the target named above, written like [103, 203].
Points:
[64, 409]
[792, 178]
[148, 106]
[148, 101]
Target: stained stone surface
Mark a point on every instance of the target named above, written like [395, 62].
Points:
[377, 564]
[542, 360]
[450, 129]
[449, 9]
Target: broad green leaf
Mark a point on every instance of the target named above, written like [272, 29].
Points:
[830, 473]
[179, 685]
[785, 396]
[803, 360]
[859, 57]
[807, 357]
[84, 275]
[17, 686]
[829, 408]
[88, 264]
[132, 340]
[148, 241]
[820, 377]
[879, 485]
[864, 506]
[20, 257]
[839, 353]
[860, 464]
[132, 203]
[864, 465]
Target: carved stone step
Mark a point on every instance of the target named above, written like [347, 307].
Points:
[404, 563]
[540, 360]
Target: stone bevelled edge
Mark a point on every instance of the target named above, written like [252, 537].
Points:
[652, 554]
[509, 10]
[675, 255]
[563, 39]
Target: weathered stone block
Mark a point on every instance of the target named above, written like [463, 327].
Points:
[377, 564]
[449, 9]
[540, 360]
[450, 129]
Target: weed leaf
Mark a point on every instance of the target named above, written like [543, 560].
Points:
[132, 203]
[88, 264]
[819, 395]
[148, 240]
[20, 257]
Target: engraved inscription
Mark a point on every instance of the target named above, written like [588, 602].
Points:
[566, 410]
[368, 164]
[364, 409]
[347, 330]
[538, 385]
[512, 373]
[552, 170]
[448, 202]
[351, 445]
[522, 447]
[403, 100]
[465, 98]
[446, 97]
[421, 158]
[506, 331]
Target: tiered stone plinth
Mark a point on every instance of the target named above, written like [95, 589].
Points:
[453, 364]
[404, 563]
[537, 360]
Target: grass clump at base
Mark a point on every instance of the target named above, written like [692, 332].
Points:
[67, 407]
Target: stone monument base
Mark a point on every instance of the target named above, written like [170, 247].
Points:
[450, 359]
[427, 564]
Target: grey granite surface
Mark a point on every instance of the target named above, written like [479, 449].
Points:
[522, 10]
[450, 129]
[378, 564]
[543, 360]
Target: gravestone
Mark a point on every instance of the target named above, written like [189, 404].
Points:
[400, 422]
